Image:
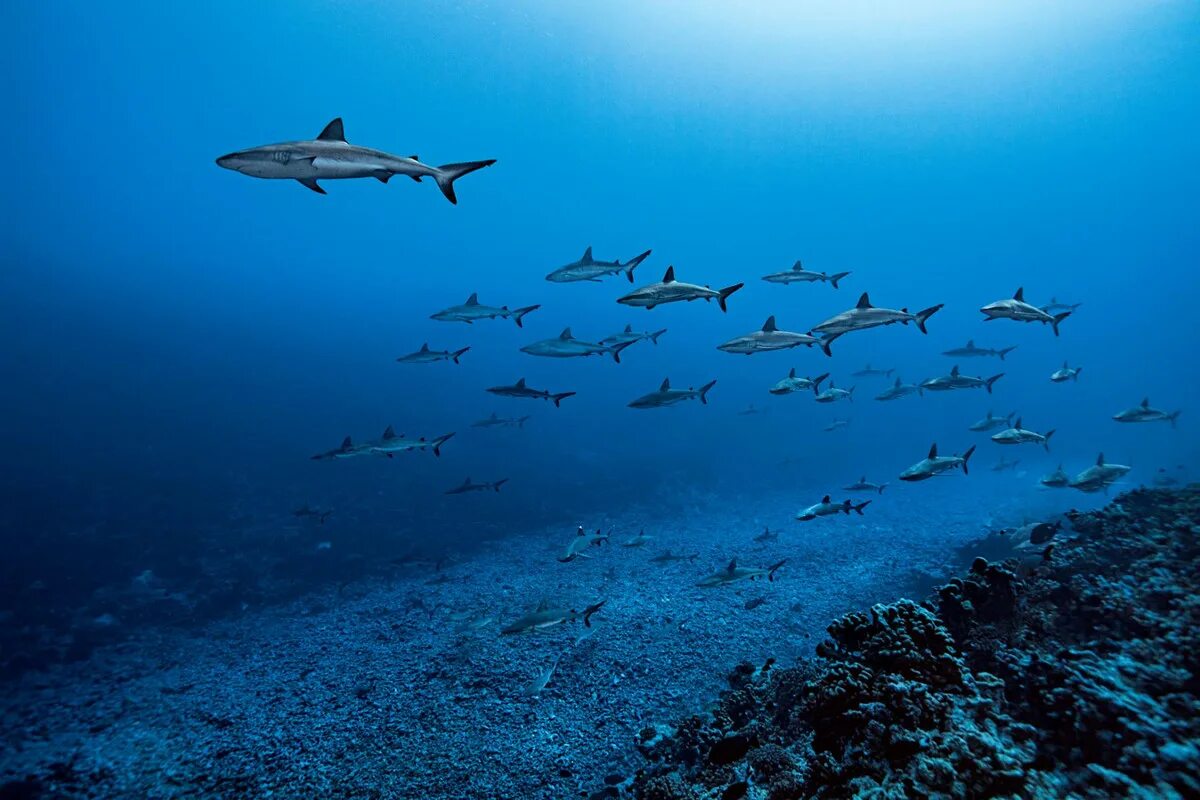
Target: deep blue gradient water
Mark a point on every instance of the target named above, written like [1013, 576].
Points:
[179, 339]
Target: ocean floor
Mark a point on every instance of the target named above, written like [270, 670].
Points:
[404, 687]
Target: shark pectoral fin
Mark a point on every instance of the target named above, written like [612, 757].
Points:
[416, 178]
[311, 183]
[383, 177]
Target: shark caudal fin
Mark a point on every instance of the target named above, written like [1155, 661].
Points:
[704, 392]
[455, 355]
[882, 486]
[1057, 319]
[923, 316]
[988, 383]
[837, 276]
[592, 609]
[447, 174]
[1046, 441]
[519, 313]
[859, 508]
[558, 398]
[773, 567]
[1005, 351]
[654, 336]
[826, 341]
[1075, 374]
[496, 486]
[816, 382]
[1172, 417]
[633, 263]
[967, 457]
[439, 441]
[616, 350]
[723, 295]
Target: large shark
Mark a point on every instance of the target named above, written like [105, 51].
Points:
[771, 338]
[589, 269]
[472, 310]
[331, 157]
[794, 384]
[519, 389]
[827, 508]
[1065, 374]
[834, 394]
[954, 380]
[546, 617]
[990, 423]
[581, 542]
[733, 573]
[798, 274]
[1018, 310]
[934, 465]
[1145, 413]
[864, 485]
[347, 449]
[1018, 435]
[630, 335]
[970, 350]
[427, 356]
[1057, 479]
[1099, 476]
[497, 421]
[468, 486]
[864, 316]
[390, 444]
[898, 390]
[567, 346]
[670, 290]
[666, 396]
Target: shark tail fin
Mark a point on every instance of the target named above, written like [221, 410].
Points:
[558, 398]
[1006, 350]
[455, 355]
[1172, 417]
[773, 567]
[1057, 319]
[859, 508]
[654, 336]
[592, 609]
[723, 295]
[447, 174]
[519, 313]
[923, 316]
[837, 276]
[439, 441]
[496, 486]
[988, 383]
[633, 264]
[967, 457]
[817, 382]
[1046, 443]
[1075, 374]
[704, 391]
[616, 350]
[827, 341]
[882, 486]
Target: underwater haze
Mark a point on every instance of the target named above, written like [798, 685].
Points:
[181, 340]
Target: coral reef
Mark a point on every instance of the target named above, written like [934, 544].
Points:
[1074, 676]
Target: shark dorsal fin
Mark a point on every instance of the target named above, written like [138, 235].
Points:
[543, 604]
[346, 443]
[1020, 295]
[587, 255]
[333, 132]
[473, 300]
[732, 566]
[670, 276]
[1145, 402]
[1018, 425]
[863, 479]
[390, 433]
[1100, 460]
[792, 372]
[954, 371]
[466, 481]
[1065, 365]
[897, 383]
[425, 347]
[825, 499]
[864, 301]
[933, 450]
[769, 325]
[970, 344]
[629, 329]
[666, 385]
[493, 416]
[521, 383]
[566, 334]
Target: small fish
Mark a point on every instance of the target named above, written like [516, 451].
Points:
[1018, 310]
[826, 508]
[588, 268]
[1018, 435]
[473, 310]
[733, 574]
[934, 465]
[669, 290]
[971, 351]
[1145, 413]
[427, 356]
[798, 274]
[1065, 374]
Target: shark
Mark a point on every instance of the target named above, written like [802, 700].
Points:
[427, 356]
[833, 394]
[520, 389]
[970, 350]
[667, 557]
[581, 542]
[389, 444]
[900, 389]
[870, 372]
[733, 574]
[589, 269]
[544, 616]
[630, 335]
[669, 290]
[792, 383]
[542, 679]
[767, 535]
[473, 310]
[567, 346]
[934, 465]
[307, 512]
[1099, 476]
[347, 449]
[771, 338]
[954, 380]
[331, 157]
[864, 316]
[1057, 479]
[991, 423]
[496, 421]
[798, 274]
[864, 485]
[1065, 374]
[826, 508]
[666, 396]
[1146, 413]
[637, 541]
[1018, 435]
[1018, 310]
[837, 423]
[1054, 306]
[1004, 465]
[468, 486]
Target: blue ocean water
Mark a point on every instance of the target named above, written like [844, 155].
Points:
[180, 339]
